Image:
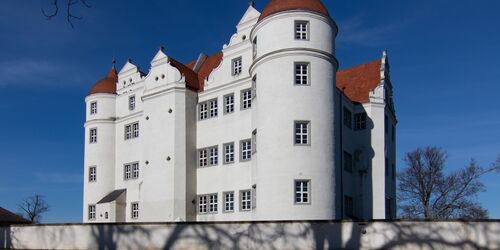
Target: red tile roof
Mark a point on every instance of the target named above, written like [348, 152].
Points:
[106, 85]
[7, 217]
[275, 6]
[192, 81]
[208, 66]
[196, 80]
[357, 82]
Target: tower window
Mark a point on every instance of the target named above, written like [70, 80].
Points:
[92, 212]
[302, 192]
[208, 109]
[93, 135]
[246, 200]
[237, 66]
[302, 133]
[131, 102]
[131, 131]
[301, 30]
[246, 150]
[229, 153]
[93, 108]
[135, 210]
[229, 202]
[360, 121]
[246, 99]
[301, 73]
[347, 162]
[347, 118]
[92, 174]
[229, 104]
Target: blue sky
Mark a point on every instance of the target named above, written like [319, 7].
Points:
[444, 59]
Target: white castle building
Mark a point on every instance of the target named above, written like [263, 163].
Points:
[266, 129]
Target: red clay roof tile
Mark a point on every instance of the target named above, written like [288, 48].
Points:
[276, 6]
[106, 85]
[357, 82]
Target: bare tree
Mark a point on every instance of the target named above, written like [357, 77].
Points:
[33, 207]
[427, 192]
[69, 4]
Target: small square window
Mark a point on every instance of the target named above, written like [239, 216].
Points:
[135, 210]
[360, 121]
[302, 133]
[229, 104]
[301, 73]
[347, 118]
[246, 200]
[237, 66]
[301, 30]
[246, 99]
[93, 108]
[347, 162]
[92, 174]
[246, 150]
[302, 192]
[228, 153]
[91, 212]
[93, 135]
[228, 202]
[131, 102]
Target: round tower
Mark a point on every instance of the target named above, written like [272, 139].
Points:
[294, 71]
[99, 159]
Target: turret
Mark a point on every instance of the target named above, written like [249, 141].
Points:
[294, 71]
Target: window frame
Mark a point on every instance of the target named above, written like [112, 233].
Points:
[301, 192]
[249, 200]
[236, 69]
[301, 134]
[199, 204]
[225, 153]
[208, 156]
[93, 108]
[133, 133]
[134, 213]
[362, 123]
[298, 34]
[93, 138]
[226, 202]
[208, 112]
[131, 102]
[131, 172]
[307, 75]
[91, 212]
[92, 174]
[248, 151]
[226, 104]
[246, 99]
[208, 204]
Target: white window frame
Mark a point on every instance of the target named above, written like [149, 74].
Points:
[229, 153]
[208, 157]
[302, 78]
[228, 202]
[134, 210]
[246, 150]
[203, 111]
[301, 30]
[237, 66]
[302, 192]
[131, 102]
[246, 99]
[360, 121]
[202, 207]
[246, 200]
[229, 103]
[92, 212]
[208, 109]
[135, 170]
[93, 108]
[302, 138]
[213, 203]
[214, 108]
[131, 131]
[93, 135]
[93, 174]
[127, 172]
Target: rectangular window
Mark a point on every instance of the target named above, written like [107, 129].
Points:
[360, 121]
[347, 162]
[246, 200]
[229, 202]
[237, 66]
[202, 204]
[212, 203]
[127, 172]
[214, 156]
[209, 109]
[93, 135]
[131, 102]
[203, 157]
[246, 99]
[302, 192]
[135, 170]
[132, 131]
[302, 131]
[254, 141]
[92, 212]
[301, 73]
[229, 104]
[348, 206]
[229, 153]
[347, 118]
[92, 174]
[135, 210]
[208, 156]
[246, 150]
[93, 108]
[301, 30]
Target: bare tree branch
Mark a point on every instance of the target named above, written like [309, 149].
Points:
[69, 10]
[33, 207]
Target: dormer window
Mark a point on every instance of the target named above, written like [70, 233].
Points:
[301, 30]
[237, 66]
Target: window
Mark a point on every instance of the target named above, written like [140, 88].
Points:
[212, 203]
[302, 133]
[347, 162]
[208, 109]
[92, 174]
[93, 108]
[229, 104]
[106, 215]
[131, 102]
[228, 153]
[92, 212]
[135, 210]
[360, 121]
[301, 73]
[131, 171]
[246, 99]
[202, 204]
[246, 150]
[131, 131]
[348, 206]
[347, 118]
[301, 30]
[254, 141]
[93, 135]
[302, 192]
[208, 156]
[246, 200]
[229, 202]
[237, 66]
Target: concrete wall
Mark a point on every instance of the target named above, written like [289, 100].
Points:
[257, 235]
